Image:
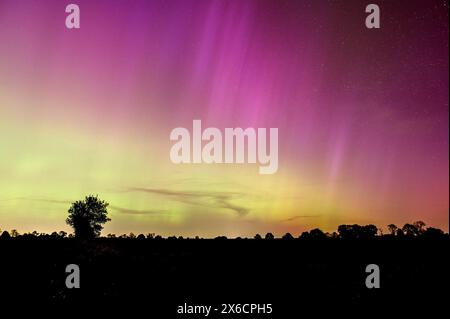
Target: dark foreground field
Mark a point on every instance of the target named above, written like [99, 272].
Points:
[292, 275]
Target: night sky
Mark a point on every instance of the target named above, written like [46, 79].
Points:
[362, 113]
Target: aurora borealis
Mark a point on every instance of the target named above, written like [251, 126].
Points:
[362, 114]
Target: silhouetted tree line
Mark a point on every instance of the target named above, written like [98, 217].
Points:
[345, 232]
[87, 217]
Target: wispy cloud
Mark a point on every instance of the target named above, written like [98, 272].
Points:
[201, 198]
[37, 199]
[118, 209]
[129, 211]
[299, 217]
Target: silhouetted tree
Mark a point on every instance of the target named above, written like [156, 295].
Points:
[269, 236]
[257, 236]
[304, 235]
[433, 233]
[287, 236]
[347, 231]
[357, 232]
[410, 230]
[368, 231]
[420, 226]
[14, 233]
[87, 217]
[317, 234]
[5, 235]
[392, 229]
[141, 236]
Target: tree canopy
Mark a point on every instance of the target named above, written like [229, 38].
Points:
[88, 216]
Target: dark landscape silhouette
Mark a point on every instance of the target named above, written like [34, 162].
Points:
[295, 270]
